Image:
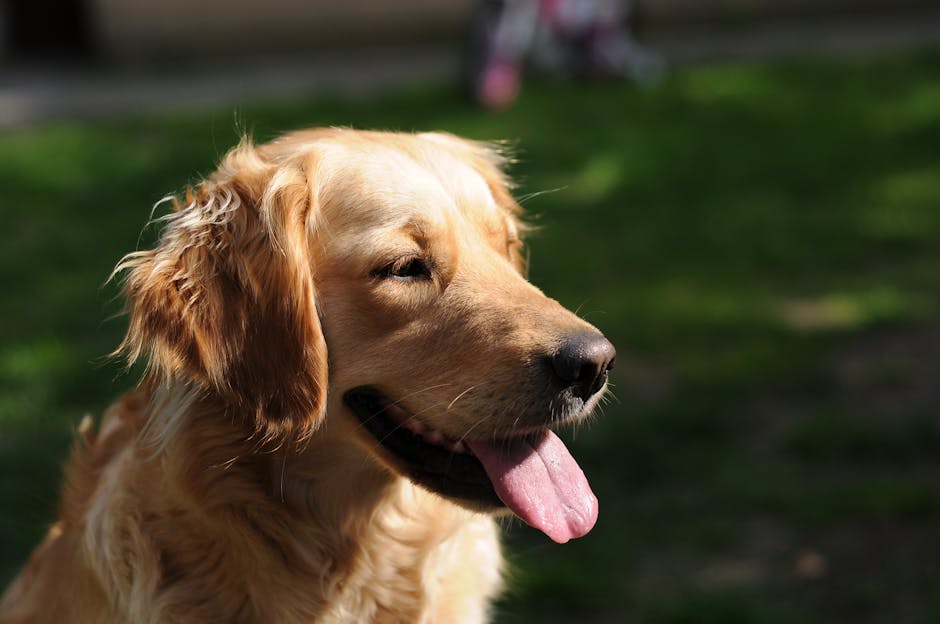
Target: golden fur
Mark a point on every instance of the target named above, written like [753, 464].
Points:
[233, 485]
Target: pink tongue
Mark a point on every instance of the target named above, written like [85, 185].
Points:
[541, 482]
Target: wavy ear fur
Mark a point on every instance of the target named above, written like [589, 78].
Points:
[225, 301]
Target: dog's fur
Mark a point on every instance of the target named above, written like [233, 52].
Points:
[234, 485]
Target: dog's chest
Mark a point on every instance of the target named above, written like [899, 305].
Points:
[427, 562]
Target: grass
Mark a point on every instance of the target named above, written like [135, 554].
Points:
[761, 241]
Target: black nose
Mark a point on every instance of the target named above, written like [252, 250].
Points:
[582, 362]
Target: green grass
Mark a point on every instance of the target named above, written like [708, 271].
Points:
[762, 243]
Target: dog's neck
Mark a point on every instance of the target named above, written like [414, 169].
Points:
[322, 512]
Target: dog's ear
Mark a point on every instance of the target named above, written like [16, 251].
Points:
[225, 301]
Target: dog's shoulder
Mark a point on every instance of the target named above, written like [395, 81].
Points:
[56, 584]
[95, 448]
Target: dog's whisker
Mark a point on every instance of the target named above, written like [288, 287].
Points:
[456, 398]
[463, 437]
[466, 433]
[412, 417]
[398, 402]
[611, 396]
[590, 313]
[422, 391]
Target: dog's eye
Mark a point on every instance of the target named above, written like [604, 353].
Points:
[410, 268]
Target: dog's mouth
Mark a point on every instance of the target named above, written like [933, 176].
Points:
[534, 475]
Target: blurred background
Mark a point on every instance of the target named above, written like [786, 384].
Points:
[746, 200]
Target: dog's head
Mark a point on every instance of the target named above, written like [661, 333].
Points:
[399, 257]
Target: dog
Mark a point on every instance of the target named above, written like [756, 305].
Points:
[348, 377]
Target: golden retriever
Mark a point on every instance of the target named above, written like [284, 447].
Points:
[348, 376]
